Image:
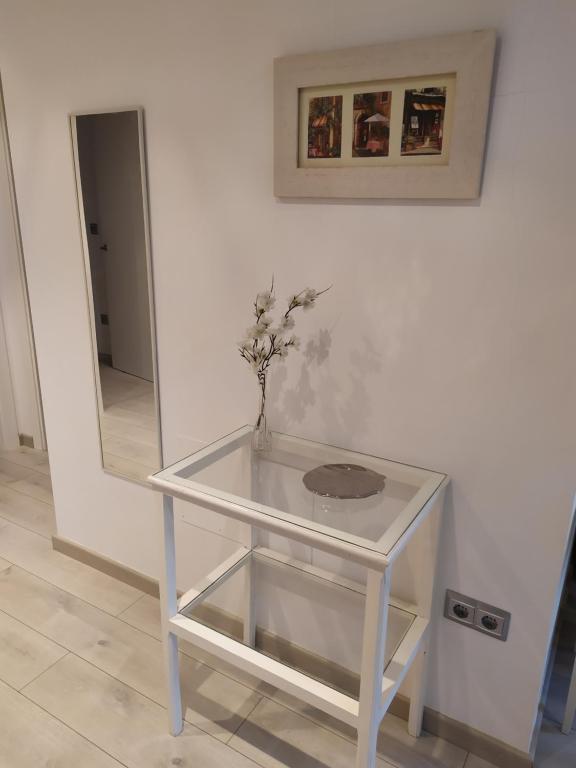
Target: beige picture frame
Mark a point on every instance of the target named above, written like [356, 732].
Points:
[466, 59]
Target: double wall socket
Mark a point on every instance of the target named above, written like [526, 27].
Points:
[477, 615]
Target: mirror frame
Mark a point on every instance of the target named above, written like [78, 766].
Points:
[88, 277]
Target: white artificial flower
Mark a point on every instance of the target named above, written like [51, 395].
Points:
[309, 298]
[265, 320]
[264, 340]
[265, 301]
[256, 331]
[293, 300]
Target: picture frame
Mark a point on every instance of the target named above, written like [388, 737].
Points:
[402, 120]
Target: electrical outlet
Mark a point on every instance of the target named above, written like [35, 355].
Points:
[492, 621]
[477, 615]
[459, 608]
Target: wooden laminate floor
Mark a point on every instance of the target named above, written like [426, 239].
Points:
[81, 676]
[128, 424]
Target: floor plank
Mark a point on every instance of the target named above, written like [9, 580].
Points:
[131, 450]
[477, 762]
[121, 428]
[26, 480]
[128, 424]
[28, 457]
[214, 702]
[35, 484]
[275, 737]
[24, 654]
[26, 511]
[10, 471]
[123, 722]
[144, 614]
[119, 414]
[32, 738]
[131, 469]
[395, 744]
[35, 554]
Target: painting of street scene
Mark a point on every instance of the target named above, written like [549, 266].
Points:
[325, 127]
[423, 121]
[371, 135]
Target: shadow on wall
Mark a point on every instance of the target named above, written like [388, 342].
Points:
[348, 413]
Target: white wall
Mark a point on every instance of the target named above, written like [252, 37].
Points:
[448, 331]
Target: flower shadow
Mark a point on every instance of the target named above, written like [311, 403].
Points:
[342, 402]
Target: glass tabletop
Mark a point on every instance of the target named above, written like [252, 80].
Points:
[355, 498]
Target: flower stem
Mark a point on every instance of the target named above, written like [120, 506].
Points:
[262, 382]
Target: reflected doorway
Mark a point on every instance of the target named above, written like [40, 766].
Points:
[113, 206]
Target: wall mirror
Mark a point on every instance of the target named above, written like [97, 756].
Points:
[110, 165]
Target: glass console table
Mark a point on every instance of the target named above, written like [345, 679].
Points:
[362, 511]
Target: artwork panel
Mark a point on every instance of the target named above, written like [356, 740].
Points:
[325, 127]
[423, 121]
[371, 116]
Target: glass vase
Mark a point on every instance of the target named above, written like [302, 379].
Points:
[262, 437]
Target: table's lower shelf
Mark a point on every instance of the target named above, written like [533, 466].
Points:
[271, 591]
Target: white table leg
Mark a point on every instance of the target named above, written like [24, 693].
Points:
[372, 668]
[249, 635]
[169, 608]
[419, 675]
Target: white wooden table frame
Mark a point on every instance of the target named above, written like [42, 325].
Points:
[378, 683]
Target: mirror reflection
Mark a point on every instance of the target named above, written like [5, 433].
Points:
[109, 156]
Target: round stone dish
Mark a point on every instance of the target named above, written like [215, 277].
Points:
[344, 481]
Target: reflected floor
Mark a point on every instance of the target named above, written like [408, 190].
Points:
[129, 431]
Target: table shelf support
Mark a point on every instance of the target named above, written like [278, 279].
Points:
[249, 630]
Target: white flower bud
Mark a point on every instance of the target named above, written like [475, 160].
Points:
[256, 331]
[265, 301]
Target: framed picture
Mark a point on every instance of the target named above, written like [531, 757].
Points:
[400, 120]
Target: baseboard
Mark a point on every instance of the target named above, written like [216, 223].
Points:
[494, 751]
[26, 440]
[105, 565]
